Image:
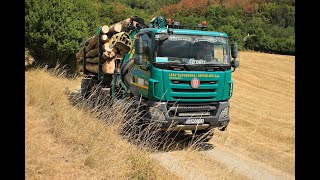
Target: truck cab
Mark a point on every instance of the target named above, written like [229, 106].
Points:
[181, 76]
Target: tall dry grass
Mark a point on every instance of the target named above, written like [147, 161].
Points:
[129, 124]
[72, 141]
[64, 141]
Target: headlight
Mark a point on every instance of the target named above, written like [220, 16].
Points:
[231, 89]
[224, 113]
[156, 114]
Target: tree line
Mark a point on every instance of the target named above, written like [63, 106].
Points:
[55, 29]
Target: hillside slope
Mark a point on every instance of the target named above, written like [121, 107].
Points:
[63, 142]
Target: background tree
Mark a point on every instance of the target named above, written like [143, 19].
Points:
[54, 29]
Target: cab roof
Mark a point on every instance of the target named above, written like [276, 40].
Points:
[186, 31]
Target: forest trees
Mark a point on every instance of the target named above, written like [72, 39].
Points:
[54, 30]
[272, 22]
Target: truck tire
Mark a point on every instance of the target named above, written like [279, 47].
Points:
[126, 72]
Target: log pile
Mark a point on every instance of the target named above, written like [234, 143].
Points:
[114, 44]
[28, 59]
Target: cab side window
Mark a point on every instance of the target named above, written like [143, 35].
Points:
[146, 39]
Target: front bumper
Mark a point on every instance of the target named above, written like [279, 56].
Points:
[174, 122]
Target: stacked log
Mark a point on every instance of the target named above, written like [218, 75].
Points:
[28, 59]
[110, 51]
[118, 27]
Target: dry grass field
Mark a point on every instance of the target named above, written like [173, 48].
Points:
[260, 141]
[66, 142]
[263, 110]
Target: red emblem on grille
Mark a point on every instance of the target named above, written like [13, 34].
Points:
[195, 83]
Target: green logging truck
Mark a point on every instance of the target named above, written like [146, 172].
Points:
[180, 75]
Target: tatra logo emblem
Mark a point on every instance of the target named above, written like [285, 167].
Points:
[195, 83]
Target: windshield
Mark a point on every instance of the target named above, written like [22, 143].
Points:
[192, 49]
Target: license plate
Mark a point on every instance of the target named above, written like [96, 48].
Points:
[197, 61]
[194, 121]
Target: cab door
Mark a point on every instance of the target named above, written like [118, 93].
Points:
[141, 73]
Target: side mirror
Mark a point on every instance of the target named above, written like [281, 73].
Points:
[234, 63]
[234, 50]
[139, 50]
[138, 45]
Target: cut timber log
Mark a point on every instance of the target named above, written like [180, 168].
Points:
[108, 55]
[92, 43]
[95, 60]
[86, 42]
[108, 67]
[79, 54]
[104, 38]
[106, 47]
[79, 60]
[104, 29]
[92, 53]
[118, 27]
[92, 67]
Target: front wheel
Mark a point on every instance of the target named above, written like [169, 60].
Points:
[126, 72]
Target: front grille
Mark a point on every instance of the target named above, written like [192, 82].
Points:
[175, 108]
[188, 82]
[192, 104]
[194, 109]
[182, 90]
[204, 97]
[192, 90]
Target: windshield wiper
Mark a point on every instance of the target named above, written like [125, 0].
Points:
[196, 67]
[192, 67]
[217, 67]
[176, 66]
